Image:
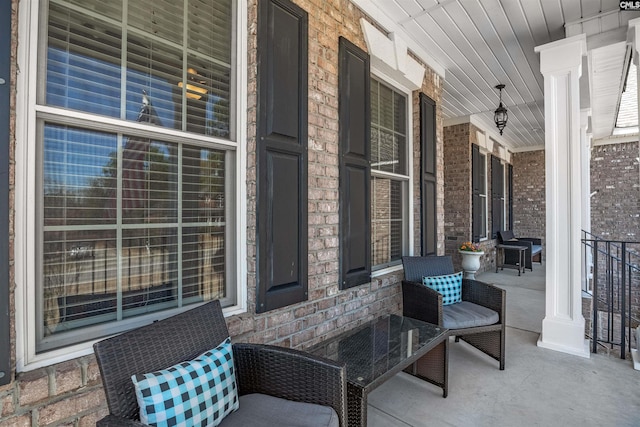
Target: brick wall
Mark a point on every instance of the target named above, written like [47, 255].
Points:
[457, 187]
[70, 393]
[529, 204]
[615, 208]
[458, 140]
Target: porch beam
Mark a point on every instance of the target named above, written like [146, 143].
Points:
[563, 325]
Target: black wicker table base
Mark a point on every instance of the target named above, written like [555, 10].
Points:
[378, 350]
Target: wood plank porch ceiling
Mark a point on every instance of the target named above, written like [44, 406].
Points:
[481, 43]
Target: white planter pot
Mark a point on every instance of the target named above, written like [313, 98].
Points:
[470, 263]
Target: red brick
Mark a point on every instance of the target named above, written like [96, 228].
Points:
[18, 421]
[91, 419]
[34, 387]
[93, 373]
[71, 407]
[6, 405]
[68, 377]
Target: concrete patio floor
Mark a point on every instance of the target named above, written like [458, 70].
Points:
[539, 387]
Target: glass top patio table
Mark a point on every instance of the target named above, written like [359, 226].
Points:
[378, 347]
[378, 350]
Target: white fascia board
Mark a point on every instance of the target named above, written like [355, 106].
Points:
[527, 149]
[452, 121]
[613, 139]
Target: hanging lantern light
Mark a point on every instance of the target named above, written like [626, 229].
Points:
[500, 116]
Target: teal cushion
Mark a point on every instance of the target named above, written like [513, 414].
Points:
[197, 392]
[450, 286]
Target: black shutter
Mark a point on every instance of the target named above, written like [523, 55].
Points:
[281, 155]
[428, 189]
[497, 196]
[476, 223]
[5, 80]
[355, 165]
[510, 195]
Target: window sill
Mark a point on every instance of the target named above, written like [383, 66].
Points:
[386, 270]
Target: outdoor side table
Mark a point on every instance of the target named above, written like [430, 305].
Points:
[500, 255]
[378, 350]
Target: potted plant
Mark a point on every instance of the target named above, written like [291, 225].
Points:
[471, 253]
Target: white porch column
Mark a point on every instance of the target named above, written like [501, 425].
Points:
[585, 162]
[561, 66]
[633, 35]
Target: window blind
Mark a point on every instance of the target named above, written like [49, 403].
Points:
[388, 154]
[113, 246]
[186, 78]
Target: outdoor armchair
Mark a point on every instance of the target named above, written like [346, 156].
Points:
[287, 374]
[532, 253]
[423, 303]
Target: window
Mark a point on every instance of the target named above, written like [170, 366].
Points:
[479, 183]
[509, 201]
[136, 163]
[389, 174]
[506, 197]
[497, 196]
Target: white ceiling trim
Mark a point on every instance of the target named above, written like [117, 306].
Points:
[390, 55]
[606, 78]
[480, 43]
[528, 148]
[371, 9]
[615, 139]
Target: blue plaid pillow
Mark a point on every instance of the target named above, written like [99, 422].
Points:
[450, 286]
[198, 392]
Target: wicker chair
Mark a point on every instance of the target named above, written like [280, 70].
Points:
[532, 253]
[269, 370]
[423, 303]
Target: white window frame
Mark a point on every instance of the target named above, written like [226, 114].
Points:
[505, 195]
[484, 153]
[26, 230]
[407, 220]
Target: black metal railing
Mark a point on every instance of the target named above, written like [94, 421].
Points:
[613, 281]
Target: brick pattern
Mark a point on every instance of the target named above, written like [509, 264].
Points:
[457, 188]
[529, 203]
[458, 194]
[615, 208]
[70, 393]
[329, 310]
